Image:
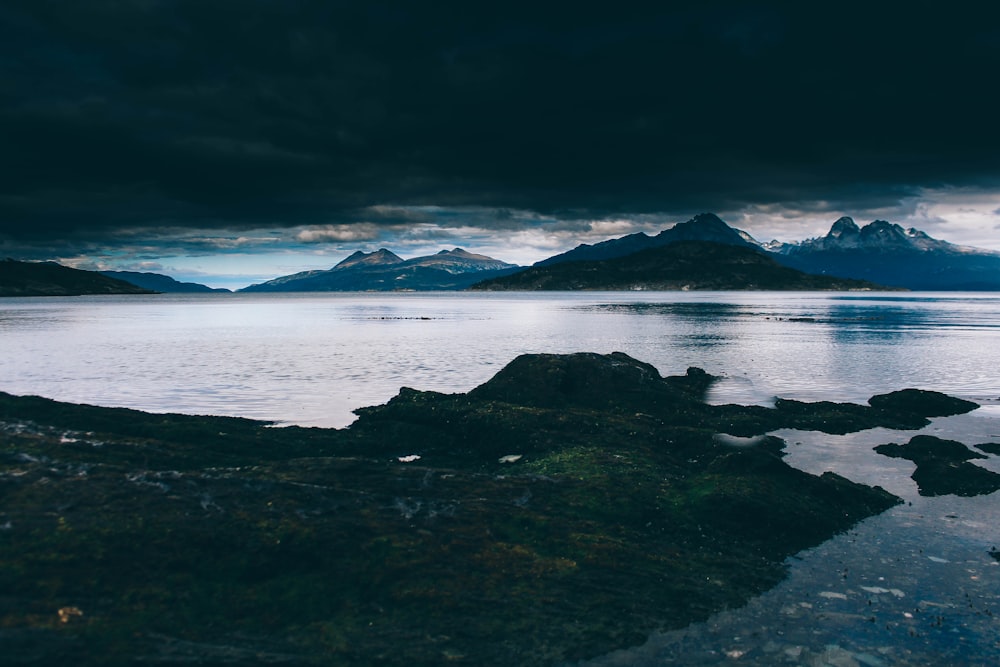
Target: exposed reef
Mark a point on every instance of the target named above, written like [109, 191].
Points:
[565, 508]
[943, 466]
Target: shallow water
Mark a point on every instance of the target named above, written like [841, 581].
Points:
[916, 585]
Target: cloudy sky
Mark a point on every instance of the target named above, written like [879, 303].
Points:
[232, 141]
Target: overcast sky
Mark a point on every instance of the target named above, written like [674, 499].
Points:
[232, 141]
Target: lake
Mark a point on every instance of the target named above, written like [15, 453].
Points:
[914, 586]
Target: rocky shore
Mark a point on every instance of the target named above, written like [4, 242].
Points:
[565, 508]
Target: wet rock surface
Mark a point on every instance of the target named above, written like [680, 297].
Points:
[565, 508]
[943, 466]
[989, 447]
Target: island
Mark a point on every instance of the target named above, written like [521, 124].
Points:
[565, 508]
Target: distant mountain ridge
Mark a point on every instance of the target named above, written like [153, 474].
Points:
[52, 279]
[880, 252]
[878, 235]
[682, 265]
[160, 283]
[886, 253]
[383, 270]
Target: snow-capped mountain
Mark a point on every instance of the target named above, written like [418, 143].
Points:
[878, 235]
[383, 270]
[885, 253]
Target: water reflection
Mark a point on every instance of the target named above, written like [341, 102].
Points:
[716, 312]
[865, 316]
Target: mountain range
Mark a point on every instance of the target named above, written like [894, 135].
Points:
[681, 265]
[886, 253]
[880, 252]
[383, 270]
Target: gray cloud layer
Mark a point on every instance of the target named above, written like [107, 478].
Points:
[241, 114]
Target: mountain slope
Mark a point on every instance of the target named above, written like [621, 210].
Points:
[886, 253]
[684, 265]
[702, 227]
[159, 282]
[51, 279]
[383, 270]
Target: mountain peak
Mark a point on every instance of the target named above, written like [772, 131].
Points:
[707, 219]
[703, 227]
[844, 226]
[458, 252]
[380, 256]
[883, 233]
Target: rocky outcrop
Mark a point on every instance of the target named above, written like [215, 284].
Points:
[943, 467]
[565, 508]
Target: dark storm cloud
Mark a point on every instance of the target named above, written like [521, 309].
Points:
[250, 113]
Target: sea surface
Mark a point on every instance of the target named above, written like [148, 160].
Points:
[916, 585]
[311, 359]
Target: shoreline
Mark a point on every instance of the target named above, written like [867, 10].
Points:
[565, 508]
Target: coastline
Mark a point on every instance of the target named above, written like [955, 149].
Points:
[564, 509]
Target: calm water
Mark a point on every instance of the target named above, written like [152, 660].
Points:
[913, 586]
[310, 360]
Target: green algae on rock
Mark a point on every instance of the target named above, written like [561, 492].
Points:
[565, 508]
